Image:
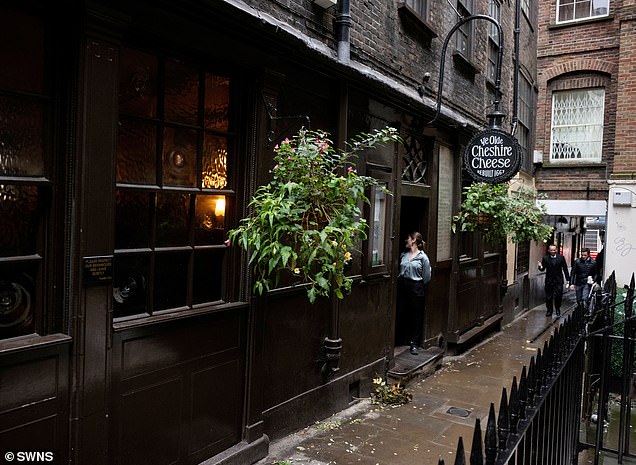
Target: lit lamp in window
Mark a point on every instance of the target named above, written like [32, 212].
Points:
[219, 209]
[212, 212]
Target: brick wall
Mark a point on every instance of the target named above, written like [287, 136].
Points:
[382, 40]
[573, 56]
[625, 157]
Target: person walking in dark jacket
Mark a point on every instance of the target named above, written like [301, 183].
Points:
[583, 276]
[555, 268]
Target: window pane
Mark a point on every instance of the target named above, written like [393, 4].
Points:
[210, 219]
[378, 227]
[179, 157]
[582, 9]
[130, 283]
[19, 225]
[136, 153]
[137, 83]
[171, 277]
[214, 162]
[22, 52]
[181, 93]
[208, 272]
[132, 220]
[172, 219]
[566, 12]
[600, 7]
[577, 124]
[17, 299]
[217, 102]
[21, 137]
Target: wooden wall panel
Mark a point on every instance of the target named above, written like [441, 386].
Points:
[34, 395]
[178, 389]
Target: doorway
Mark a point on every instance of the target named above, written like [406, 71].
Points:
[413, 217]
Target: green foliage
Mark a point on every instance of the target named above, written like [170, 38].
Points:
[617, 347]
[392, 395]
[307, 220]
[489, 208]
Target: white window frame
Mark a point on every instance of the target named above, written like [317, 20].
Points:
[579, 7]
[583, 134]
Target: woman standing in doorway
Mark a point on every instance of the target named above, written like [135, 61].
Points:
[415, 273]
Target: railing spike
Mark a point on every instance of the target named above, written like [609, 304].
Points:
[503, 421]
[514, 406]
[490, 439]
[476, 450]
[441, 462]
[538, 374]
[531, 382]
[523, 393]
[460, 456]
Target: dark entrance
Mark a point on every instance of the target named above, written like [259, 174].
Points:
[413, 217]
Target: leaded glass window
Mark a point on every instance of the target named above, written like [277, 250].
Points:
[27, 184]
[174, 185]
[415, 160]
[577, 125]
[576, 10]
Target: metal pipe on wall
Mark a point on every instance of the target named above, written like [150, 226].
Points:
[343, 26]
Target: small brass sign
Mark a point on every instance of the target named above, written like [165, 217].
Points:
[98, 270]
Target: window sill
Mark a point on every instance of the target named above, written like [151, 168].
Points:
[580, 22]
[574, 163]
[32, 341]
[465, 65]
[418, 24]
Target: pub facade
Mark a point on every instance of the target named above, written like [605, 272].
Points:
[132, 136]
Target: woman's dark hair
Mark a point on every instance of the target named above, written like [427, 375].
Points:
[417, 237]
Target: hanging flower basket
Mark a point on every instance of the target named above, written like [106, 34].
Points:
[498, 215]
[307, 221]
[484, 219]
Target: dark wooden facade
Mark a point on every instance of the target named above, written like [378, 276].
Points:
[140, 341]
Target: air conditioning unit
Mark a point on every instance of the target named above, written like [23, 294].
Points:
[622, 198]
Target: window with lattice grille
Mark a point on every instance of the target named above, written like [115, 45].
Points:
[415, 168]
[577, 125]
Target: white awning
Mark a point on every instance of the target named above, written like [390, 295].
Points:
[575, 207]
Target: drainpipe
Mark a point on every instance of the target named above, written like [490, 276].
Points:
[515, 81]
[343, 24]
[332, 344]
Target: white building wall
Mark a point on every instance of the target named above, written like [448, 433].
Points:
[620, 237]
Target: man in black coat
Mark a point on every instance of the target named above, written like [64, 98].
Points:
[555, 268]
[583, 276]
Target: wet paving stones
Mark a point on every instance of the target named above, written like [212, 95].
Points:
[423, 431]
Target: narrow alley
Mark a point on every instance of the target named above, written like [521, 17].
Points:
[444, 406]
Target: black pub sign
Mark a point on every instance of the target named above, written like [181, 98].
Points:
[492, 156]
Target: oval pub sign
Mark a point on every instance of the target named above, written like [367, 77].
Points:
[492, 156]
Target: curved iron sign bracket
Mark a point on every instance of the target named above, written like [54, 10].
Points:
[496, 116]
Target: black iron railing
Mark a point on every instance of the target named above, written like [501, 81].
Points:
[610, 367]
[539, 421]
